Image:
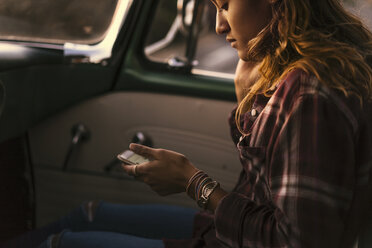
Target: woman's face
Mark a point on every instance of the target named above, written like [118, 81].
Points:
[241, 21]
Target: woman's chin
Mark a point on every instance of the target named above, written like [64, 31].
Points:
[247, 57]
[243, 55]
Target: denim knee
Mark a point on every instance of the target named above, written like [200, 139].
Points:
[90, 209]
[53, 240]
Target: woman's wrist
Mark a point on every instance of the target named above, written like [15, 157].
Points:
[215, 199]
[193, 182]
[204, 190]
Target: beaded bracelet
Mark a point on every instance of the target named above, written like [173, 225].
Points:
[194, 177]
[199, 187]
[204, 187]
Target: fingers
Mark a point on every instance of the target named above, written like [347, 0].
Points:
[131, 170]
[137, 170]
[145, 151]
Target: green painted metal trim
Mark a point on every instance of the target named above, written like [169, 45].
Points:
[192, 85]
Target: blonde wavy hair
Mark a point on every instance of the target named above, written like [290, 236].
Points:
[321, 38]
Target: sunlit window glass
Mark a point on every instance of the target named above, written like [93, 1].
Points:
[361, 8]
[57, 21]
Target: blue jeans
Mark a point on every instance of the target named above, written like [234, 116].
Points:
[108, 225]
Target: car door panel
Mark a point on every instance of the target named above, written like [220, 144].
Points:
[34, 87]
[196, 127]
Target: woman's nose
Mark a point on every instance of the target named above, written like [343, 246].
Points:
[222, 26]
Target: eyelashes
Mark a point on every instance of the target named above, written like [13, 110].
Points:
[225, 6]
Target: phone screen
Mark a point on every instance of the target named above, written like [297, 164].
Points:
[129, 157]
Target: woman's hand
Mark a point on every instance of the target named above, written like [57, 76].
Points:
[246, 75]
[167, 173]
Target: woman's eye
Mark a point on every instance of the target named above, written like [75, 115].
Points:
[225, 6]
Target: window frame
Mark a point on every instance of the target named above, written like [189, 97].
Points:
[97, 53]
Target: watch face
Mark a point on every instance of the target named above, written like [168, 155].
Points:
[208, 189]
[206, 192]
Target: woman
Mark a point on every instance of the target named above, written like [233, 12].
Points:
[302, 128]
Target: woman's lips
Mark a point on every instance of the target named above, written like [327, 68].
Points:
[232, 42]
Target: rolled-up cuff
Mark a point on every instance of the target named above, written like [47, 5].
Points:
[228, 219]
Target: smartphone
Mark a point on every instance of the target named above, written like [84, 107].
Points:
[131, 158]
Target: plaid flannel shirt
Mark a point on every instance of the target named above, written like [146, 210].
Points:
[307, 151]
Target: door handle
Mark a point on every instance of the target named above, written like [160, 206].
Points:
[80, 133]
[142, 139]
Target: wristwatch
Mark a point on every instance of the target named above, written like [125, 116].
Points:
[206, 191]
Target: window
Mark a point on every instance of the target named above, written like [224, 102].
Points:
[169, 33]
[56, 21]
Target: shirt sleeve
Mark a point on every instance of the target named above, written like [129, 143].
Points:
[310, 172]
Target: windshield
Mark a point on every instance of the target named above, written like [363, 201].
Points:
[58, 21]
